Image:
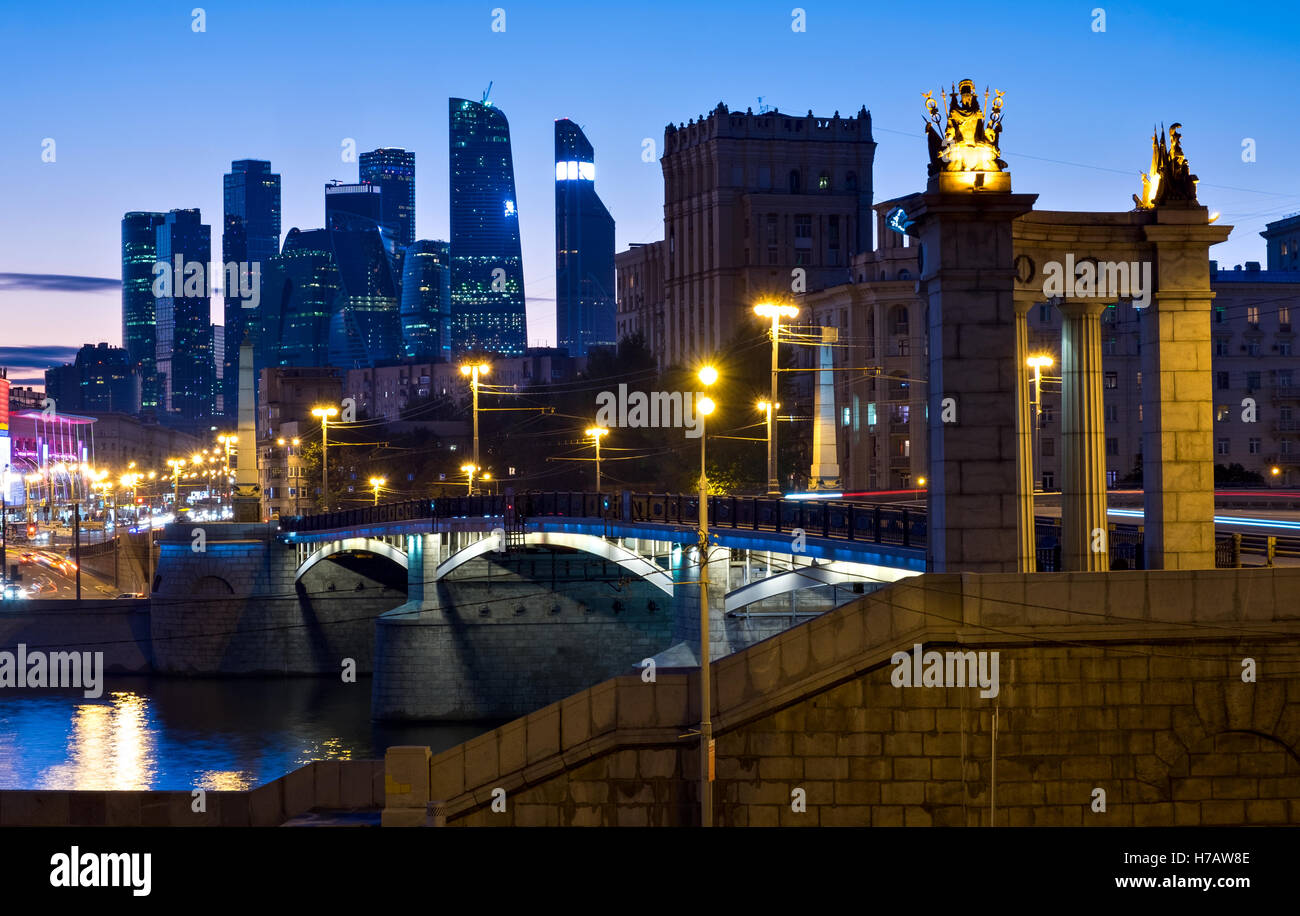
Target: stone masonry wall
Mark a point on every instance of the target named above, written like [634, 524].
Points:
[1126, 682]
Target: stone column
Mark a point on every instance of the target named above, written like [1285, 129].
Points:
[1083, 438]
[917, 388]
[1177, 397]
[967, 275]
[1025, 443]
[825, 472]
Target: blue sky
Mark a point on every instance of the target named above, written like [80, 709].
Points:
[147, 114]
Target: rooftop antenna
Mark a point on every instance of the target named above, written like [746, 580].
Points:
[487, 92]
[763, 109]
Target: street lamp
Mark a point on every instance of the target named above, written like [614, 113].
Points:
[228, 441]
[176, 464]
[769, 409]
[325, 413]
[776, 311]
[375, 484]
[473, 371]
[595, 432]
[704, 407]
[1038, 364]
[469, 470]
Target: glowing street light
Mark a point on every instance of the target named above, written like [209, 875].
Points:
[324, 413]
[776, 311]
[472, 371]
[1038, 364]
[375, 484]
[705, 407]
[469, 470]
[595, 432]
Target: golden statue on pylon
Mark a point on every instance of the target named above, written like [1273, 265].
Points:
[962, 139]
[1170, 179]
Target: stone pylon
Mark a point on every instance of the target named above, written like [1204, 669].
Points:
[825, 473]
[248, 497]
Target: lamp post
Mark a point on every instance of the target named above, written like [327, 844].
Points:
[704, 407]
[175, 464]
[227, 440]
[469, 470]
[1038, 364]
[775, 311]
[595, 432]
[375, 484]
[473, 371]
[325, 413]
[769, 409]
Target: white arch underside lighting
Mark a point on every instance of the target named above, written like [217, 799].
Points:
[587, 543]
[836, 573]
[364, 545]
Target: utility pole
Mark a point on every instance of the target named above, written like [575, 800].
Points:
[76, 543]
[704, 407]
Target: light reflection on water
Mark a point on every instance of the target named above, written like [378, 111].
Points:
[187, 733]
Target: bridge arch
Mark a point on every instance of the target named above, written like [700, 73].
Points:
[587, 543]
[810, 577]
[346, 545]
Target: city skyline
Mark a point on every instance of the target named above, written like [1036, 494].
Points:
[1073, 166]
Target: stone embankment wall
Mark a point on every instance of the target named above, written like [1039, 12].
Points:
[1130, 683]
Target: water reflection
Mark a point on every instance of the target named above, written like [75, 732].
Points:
[186, 733]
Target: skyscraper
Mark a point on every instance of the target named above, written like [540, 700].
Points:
[426, 301]
[139, 252]
[250, 234]
[184, 344]
[584, 247]
[393, 171]
[356, 199]
[487, 272]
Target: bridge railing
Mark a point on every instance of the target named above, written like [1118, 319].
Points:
[870, 523]
[883, 523]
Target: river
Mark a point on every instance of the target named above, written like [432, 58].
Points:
[186, 733]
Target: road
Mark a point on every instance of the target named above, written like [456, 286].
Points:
[55, 576]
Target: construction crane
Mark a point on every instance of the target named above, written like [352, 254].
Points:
[486, 93]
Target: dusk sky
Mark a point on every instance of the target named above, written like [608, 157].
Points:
[147, 114]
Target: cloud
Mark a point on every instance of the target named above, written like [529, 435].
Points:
[57, 283]
[27, 365]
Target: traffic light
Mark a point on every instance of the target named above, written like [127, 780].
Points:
[31, 530]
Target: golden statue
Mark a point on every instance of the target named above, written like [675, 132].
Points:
[1170, 179]
[962, 139]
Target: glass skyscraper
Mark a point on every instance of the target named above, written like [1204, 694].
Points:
[487, 272]
[584, 247]
[139, 252]
[393, 172]
[250, 233]
[183, 352]
[426, 301]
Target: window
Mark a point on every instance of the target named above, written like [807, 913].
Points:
[1284, 348]
[1220, 313]
[824, 182]
[794, 181]
[1220, 346]
[1112, 446]
[1253, 446]
[1112, 413]
[1221, 447]
[1284, 317]
[904, 346]
[1112, 478]
[1221, 380]
[1112, 380]
[1252, 315]
[845, 418]
[1139, 381]
[1049, 480]
[1048, 448]
[1044, 314]
[1252, 380]
[803, 226]
[833, 232]
[1252, 348]
[1220, 413]
[1108, 314]
[1284, 413]
[1284, 378]
[851, 181]
[1110, 347]
[1046, 418]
